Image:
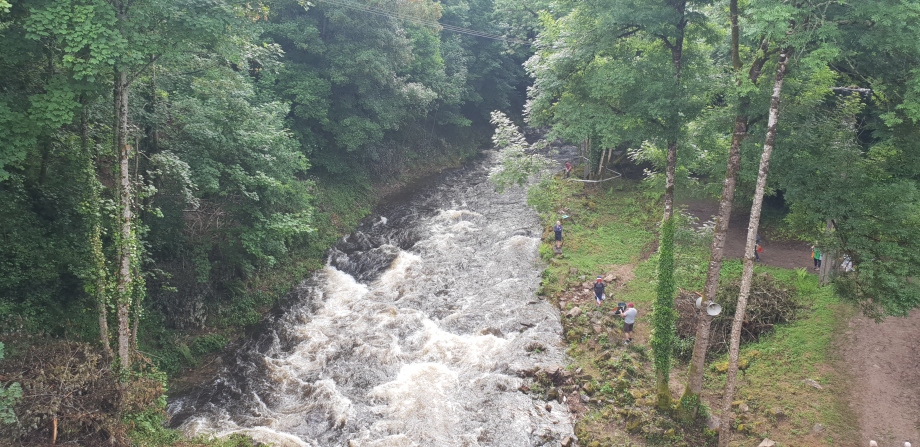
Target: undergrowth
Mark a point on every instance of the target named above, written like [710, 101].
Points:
[614, 229]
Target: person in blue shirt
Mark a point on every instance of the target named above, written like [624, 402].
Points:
[558, 230]
[599, 290]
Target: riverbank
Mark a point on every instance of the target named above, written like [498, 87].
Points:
[340, 208]
[789, 390]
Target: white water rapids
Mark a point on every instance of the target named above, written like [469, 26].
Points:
[414, 334]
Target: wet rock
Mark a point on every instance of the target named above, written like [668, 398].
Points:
[492, 331]
[574, 313]
[767, 443]
[552, 394]
[584, 398]
[813, 383]
[524, 388]
[548, 407]
[528, 372]
[568, 442]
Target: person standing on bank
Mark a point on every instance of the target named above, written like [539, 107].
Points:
[558, 230]
[599, 290]
[629, 319]
[816, 255]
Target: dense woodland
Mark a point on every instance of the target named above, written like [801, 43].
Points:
[169, 168]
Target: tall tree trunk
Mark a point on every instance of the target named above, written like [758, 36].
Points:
[720, 232]
[126, 233]
[717, 254]
[748, 274]
[663, 317]
[669, 180]
[587, 169]
[98, 258]
[828, 259]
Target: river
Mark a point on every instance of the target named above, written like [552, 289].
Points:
[415, 333]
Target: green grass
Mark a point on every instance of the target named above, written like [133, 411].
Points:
[618, 227]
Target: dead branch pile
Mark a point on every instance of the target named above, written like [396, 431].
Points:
[770, 303]
[70, 394]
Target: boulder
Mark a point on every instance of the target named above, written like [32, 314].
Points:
[574, 312]
[767, 443]
[568, 442]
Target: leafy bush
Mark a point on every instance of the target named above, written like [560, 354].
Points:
[8, 398]
[207, 344]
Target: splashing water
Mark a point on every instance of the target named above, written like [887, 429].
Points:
[414, 334]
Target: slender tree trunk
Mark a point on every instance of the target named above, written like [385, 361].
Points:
[98, 258]
[720, 232]
[126, 233]
[748, 274]
[587, 169]
[600, 164]
[717, 254]
[664, 315]
[828, 259]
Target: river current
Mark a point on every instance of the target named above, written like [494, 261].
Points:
[415, 333]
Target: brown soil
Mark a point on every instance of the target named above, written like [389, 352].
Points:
[786, 254]
[884, 364]
[882, 360]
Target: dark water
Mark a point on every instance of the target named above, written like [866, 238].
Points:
[413, 335]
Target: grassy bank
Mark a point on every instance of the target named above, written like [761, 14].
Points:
[612, 232]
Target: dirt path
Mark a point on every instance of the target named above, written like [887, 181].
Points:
[784, 254]
[882, 360]
[884, 364]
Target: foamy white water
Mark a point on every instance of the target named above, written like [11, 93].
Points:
[413, 335]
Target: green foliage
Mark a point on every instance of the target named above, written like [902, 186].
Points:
[207, 344]
[8, 397]
[518, 160]
[663, 335]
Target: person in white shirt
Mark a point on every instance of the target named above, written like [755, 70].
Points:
[629, 319]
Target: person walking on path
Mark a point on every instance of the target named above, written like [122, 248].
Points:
[757, 249]
[816, 255]
[599, 290]
[629, 320]
[558, 231]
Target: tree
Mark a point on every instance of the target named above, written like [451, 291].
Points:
[613, 72]
[748, 273]
[720, 232]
